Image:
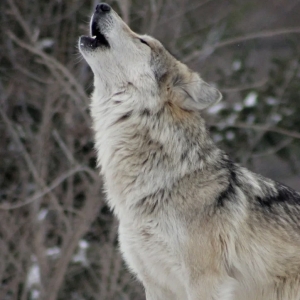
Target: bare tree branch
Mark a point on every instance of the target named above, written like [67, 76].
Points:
[48, 189]
[263, 128]
[208, 50]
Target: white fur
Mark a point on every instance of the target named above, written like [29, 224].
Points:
[164, 178]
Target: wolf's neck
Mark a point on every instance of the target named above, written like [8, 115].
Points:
[141, 153]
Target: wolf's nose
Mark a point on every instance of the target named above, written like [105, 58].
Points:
[103, 7]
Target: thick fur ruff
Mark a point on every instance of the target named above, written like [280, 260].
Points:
[193, 224]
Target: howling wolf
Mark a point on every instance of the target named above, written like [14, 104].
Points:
[193, 224]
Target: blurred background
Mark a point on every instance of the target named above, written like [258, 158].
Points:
[58, 239]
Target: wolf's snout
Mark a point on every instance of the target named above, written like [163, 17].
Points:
[103, 8]
[99, 27]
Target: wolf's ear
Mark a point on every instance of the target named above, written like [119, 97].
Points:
[198, 94]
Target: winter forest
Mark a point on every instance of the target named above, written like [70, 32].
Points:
[58, 239]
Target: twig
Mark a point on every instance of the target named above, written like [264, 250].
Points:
[263, 34]
[48, 189]
[289, 76]
[54, 62]
[183, 12]
[90, 210]
[30, 164]
[21, 20]
[245, 87]
[274, 149]
[125, 9]
[63, 146]
[259, 127]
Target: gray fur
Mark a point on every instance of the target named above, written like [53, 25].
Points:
[193, 224]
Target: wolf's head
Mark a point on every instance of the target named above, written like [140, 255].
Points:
[126, 62]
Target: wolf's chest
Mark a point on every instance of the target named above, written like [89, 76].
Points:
[153, 257]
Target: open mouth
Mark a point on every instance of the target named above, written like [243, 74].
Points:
[97, 38]
[97, 35]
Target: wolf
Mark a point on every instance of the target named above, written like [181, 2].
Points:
[192, 224]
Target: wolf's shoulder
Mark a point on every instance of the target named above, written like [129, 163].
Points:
[262, 191]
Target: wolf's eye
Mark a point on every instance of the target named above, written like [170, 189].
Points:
[144, 42]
